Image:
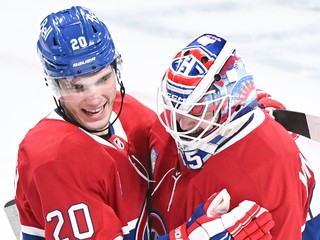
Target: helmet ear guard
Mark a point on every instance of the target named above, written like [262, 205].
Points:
[117, 66]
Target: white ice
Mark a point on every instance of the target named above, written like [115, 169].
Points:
[279, 41]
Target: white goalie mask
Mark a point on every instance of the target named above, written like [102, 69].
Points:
[205, 97]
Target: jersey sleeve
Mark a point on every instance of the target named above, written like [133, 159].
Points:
[76, 194]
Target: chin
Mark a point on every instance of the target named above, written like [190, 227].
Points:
[97, 127]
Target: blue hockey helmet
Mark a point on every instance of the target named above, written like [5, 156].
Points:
[74, 42]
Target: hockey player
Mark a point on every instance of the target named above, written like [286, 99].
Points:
[68, 184]
[82, 171]
[211, 135]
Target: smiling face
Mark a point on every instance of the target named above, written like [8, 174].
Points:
[89, 99]
[195, 125]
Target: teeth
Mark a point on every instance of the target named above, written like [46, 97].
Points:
[94, 111]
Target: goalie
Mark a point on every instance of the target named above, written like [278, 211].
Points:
[211, 135]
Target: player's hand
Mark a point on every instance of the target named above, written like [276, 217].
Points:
[211, 221]
[267, 103]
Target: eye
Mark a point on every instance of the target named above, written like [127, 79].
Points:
[78, 87]
[103, 80]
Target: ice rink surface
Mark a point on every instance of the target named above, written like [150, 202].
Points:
[279, 42]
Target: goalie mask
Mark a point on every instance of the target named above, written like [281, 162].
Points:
[205, 97]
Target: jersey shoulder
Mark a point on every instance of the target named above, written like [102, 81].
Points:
[132, 107]
[62, 143]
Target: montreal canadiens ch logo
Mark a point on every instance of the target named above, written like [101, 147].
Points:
[118, 142]
[158, 226]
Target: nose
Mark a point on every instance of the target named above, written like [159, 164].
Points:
[186, 123]
[92, 95]
[91, 90]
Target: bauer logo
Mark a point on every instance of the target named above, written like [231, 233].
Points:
[78, 64]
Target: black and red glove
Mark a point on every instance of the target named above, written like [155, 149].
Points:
[267, 103]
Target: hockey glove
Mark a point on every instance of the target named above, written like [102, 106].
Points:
[211, 222]
[267, 103]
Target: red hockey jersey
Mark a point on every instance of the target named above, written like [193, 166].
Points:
[72, 184]
[261, 163]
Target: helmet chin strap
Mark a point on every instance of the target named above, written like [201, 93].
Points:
[68, 117]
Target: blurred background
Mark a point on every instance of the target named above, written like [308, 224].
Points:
[279, 41]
